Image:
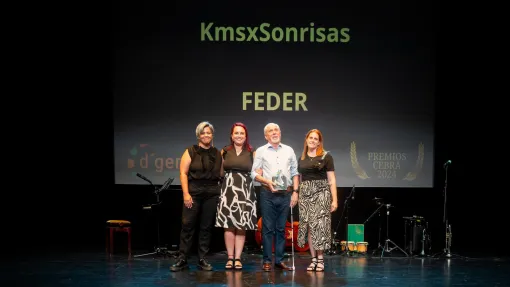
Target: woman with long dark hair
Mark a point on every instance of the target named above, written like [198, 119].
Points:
[237, 210]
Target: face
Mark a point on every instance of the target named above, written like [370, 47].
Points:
[313, 141]
[206, 136]
[273, 135]
[238, 136]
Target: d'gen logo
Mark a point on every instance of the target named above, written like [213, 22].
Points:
[139, 158]
[144, 157]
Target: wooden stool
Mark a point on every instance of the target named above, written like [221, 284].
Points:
[117, 226]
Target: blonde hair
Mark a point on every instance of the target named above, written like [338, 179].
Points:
[320, 148]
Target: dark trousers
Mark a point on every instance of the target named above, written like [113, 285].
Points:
[275, 210]
[205, 200]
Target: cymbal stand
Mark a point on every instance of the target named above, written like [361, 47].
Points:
[346, 209]
[333, 250]
[386, 247]
[378, 211]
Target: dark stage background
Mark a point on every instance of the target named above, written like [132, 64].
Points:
[369, 90]
[68, 198]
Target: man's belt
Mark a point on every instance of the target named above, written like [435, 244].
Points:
[289, 189]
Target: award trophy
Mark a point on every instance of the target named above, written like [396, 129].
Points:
[278, 181]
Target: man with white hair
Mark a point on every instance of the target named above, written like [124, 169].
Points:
[280, 180]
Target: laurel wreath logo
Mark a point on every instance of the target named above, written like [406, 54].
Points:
[410, 176]
[360, 172]
[358, 230]
[419, 164]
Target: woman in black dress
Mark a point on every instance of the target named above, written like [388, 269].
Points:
[236, 210]
[317, 198]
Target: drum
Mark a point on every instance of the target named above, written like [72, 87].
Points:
[296, 247]
[350, 244]
[288, 236]
[258, 232]
[362, 247]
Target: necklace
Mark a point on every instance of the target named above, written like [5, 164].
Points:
[312, 157]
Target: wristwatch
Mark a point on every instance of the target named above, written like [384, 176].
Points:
[296, 191]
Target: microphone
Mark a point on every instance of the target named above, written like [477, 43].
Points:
[447, 163]
[353, 191]
[143, 177]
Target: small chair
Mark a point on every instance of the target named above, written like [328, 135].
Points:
[117, 226]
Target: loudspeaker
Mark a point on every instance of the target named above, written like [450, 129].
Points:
[417, 239]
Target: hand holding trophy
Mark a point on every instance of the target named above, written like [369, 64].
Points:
[278, 182]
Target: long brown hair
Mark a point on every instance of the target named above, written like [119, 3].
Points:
[320, 148]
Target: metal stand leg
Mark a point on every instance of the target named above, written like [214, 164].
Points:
[386, 247]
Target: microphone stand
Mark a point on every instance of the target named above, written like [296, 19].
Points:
[346, 209]
[158, 250]
[448, 228]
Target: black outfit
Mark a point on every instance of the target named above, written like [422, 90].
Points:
[203, 186]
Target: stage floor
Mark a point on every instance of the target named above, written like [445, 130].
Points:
[94, 268]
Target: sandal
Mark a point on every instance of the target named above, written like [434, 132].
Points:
[313, 265]
[239, 265]
[230, 263]
[320, 265]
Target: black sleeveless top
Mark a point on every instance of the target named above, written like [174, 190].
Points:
[205, 164]
[233, 162]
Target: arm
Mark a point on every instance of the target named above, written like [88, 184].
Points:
[294, 171]
[222, 171]
[259, 171]
[257, 165]
[332, 184]
[256, 172]
[266, 182]
[295, 179]
[183, 173]
[295, 196]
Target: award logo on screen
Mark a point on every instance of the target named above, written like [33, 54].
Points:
[144, 157]
[385, 165]
[139, 156]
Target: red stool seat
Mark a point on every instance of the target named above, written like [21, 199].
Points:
[117, 226]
